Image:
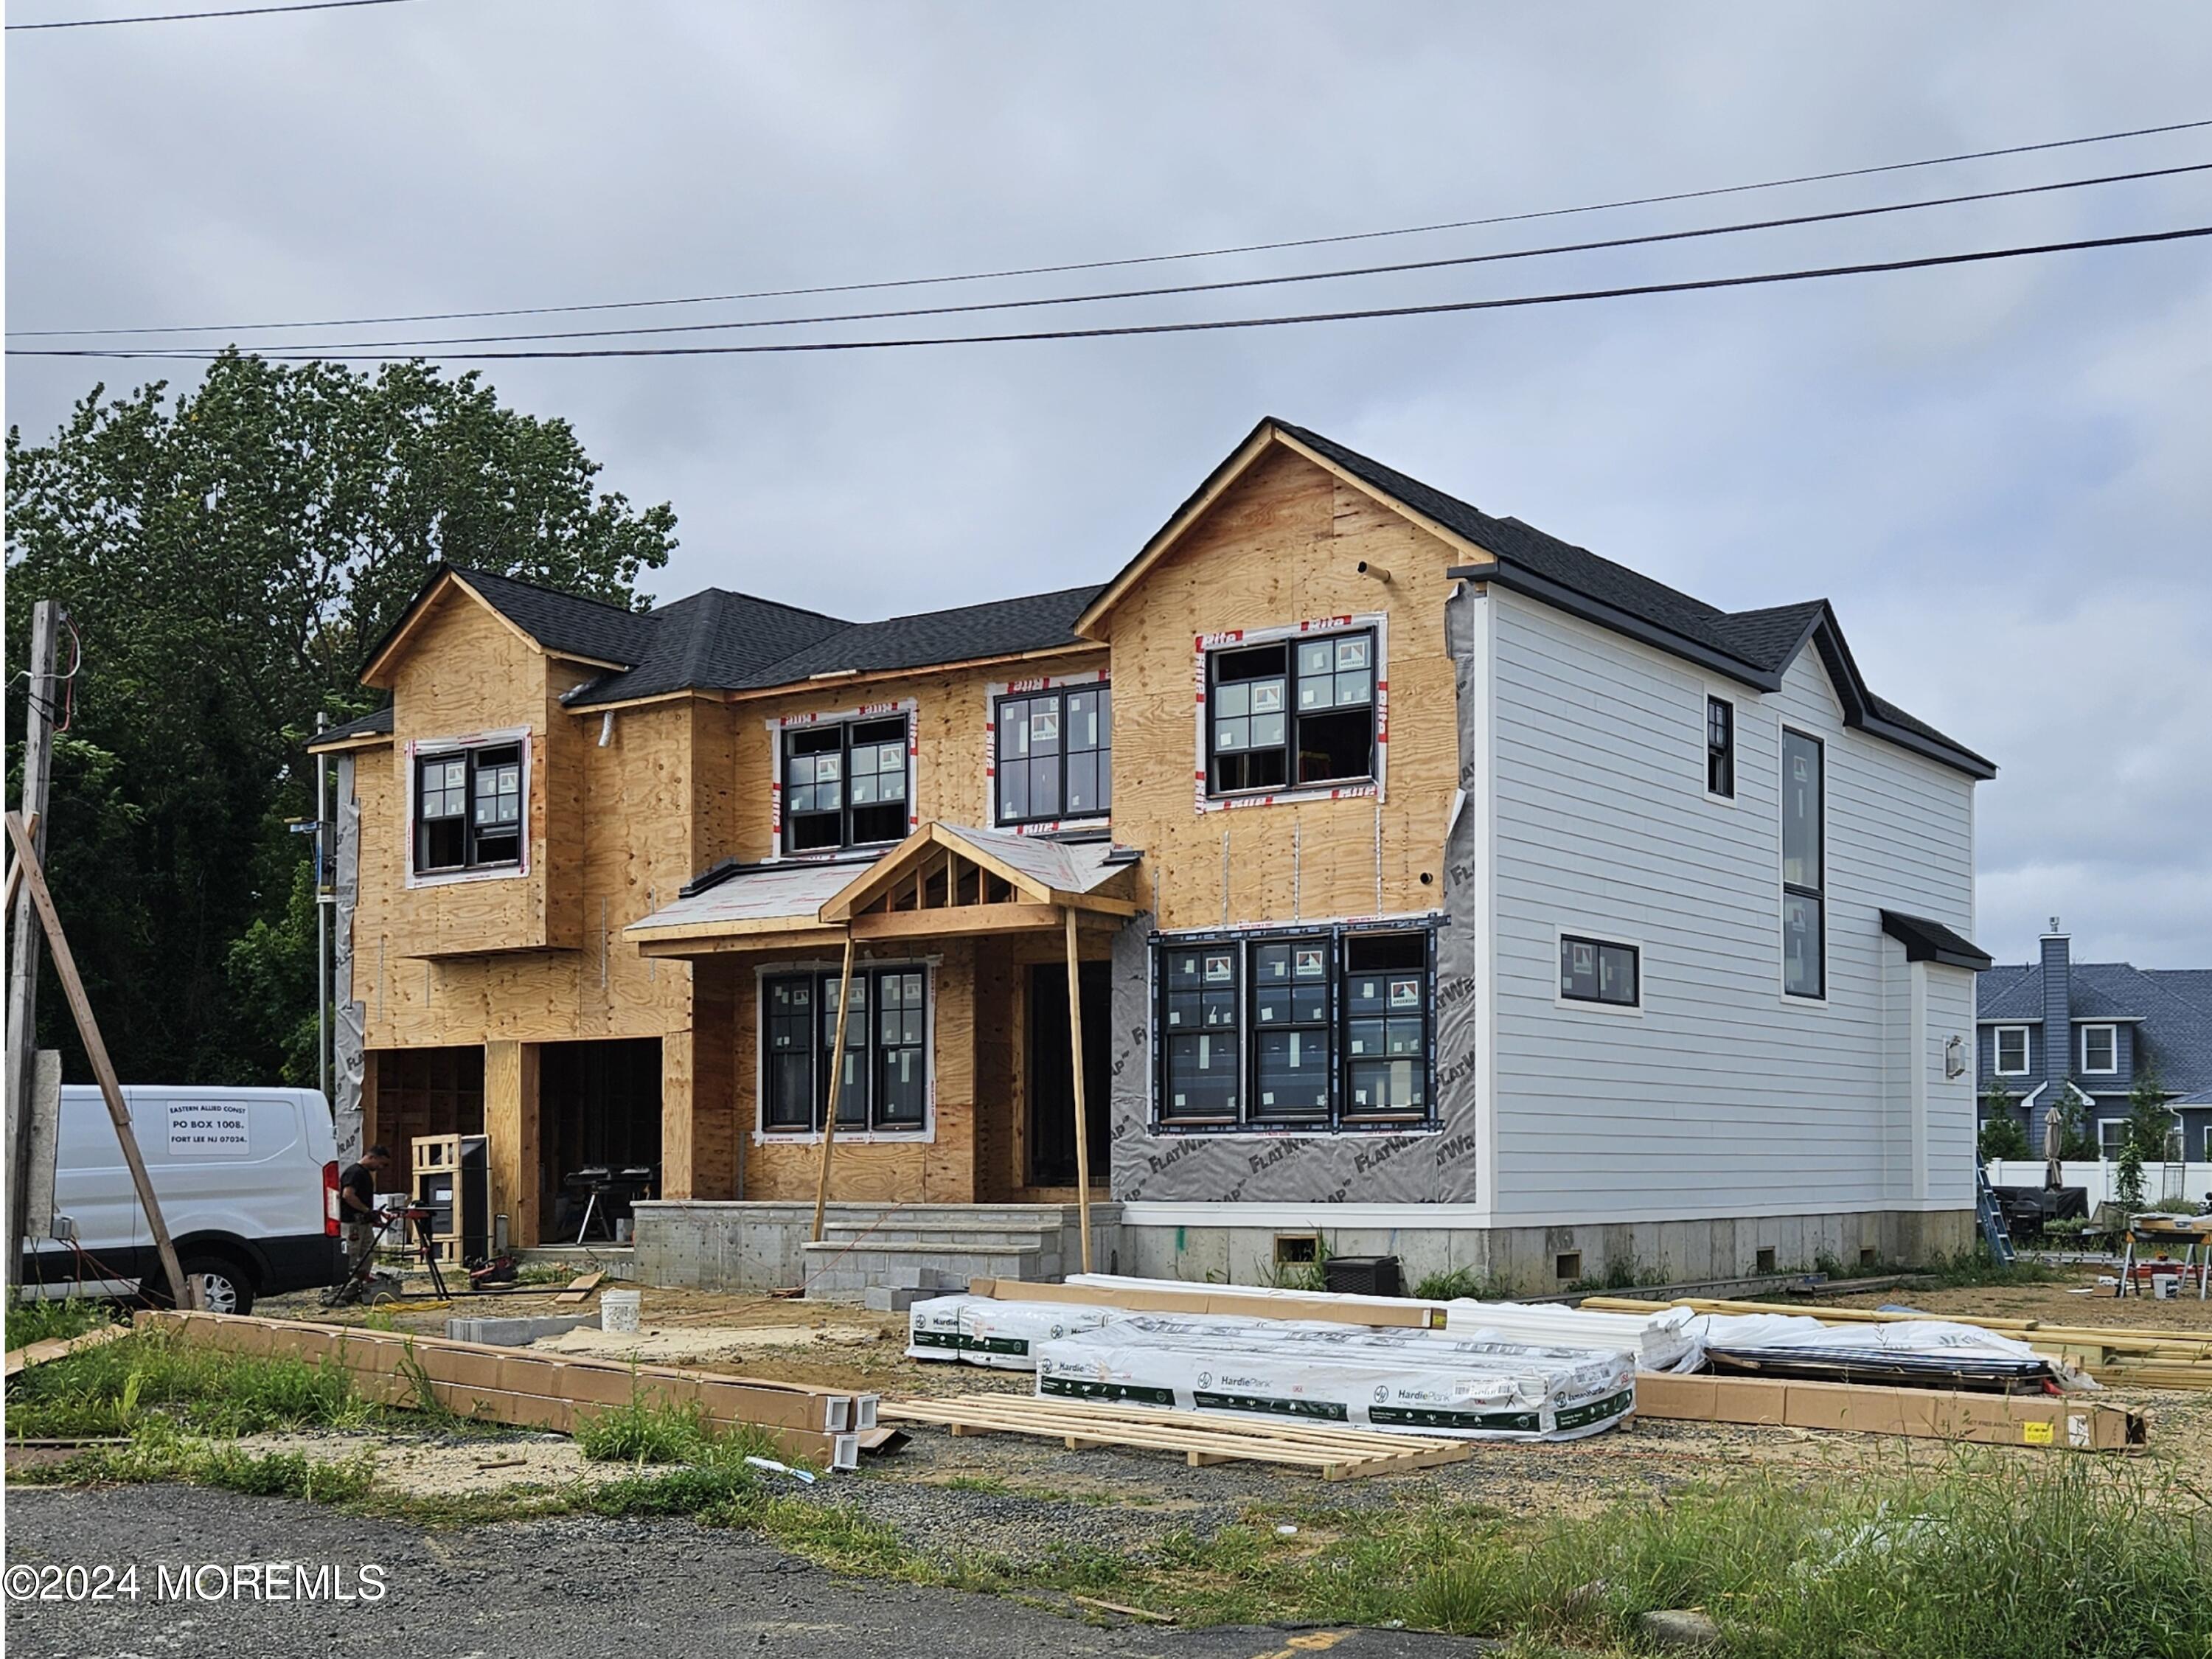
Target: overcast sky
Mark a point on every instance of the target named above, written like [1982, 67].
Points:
[1998, 473]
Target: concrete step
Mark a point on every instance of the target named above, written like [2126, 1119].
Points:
[951, 1238]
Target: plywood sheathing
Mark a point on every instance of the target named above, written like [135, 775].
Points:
[1282, 545]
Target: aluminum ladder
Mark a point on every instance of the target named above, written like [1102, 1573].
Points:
[1995, 1233]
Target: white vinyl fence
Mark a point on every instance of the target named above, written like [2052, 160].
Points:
[2166, 1186]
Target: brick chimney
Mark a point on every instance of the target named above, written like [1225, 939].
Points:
[2057, 1006]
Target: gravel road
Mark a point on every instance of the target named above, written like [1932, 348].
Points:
[559, 1589]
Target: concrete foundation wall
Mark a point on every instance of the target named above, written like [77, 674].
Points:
[1526, 1259]
[762, 1246]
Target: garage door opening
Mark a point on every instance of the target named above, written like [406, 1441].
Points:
[598, 1133]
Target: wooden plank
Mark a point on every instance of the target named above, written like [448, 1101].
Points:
[964, 919]
[95, 1050]
[837, 1063]
[581, 1286]
[1337, 1453]
[1168, 1297]
[58, 1348]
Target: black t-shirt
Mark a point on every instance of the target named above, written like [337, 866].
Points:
[360, 1181]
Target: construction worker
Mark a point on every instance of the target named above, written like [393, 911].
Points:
[358, 1216]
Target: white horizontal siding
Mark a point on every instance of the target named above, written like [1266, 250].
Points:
[1724, 1097]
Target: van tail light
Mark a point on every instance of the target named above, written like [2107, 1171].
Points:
[331, 1199]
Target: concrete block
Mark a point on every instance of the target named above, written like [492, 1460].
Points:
[884, 1299]
[514, 1332]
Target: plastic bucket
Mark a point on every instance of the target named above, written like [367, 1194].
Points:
[2164, 1287]
[618, 1310]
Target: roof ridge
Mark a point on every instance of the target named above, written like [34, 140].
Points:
[750, 599]
[468, 572]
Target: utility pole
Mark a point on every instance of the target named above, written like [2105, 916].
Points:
[23, 930]
[322, 924]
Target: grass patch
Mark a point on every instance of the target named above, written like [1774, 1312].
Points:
[1462, 1284]
[40, 1320]
[160, 1453]
[115, 1387]
[653, 1432]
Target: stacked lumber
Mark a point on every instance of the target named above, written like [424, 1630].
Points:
[59, 1347]
[2139, 1359]
[560, 1392]
[1335, 1453]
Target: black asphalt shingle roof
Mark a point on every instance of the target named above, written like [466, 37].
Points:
[566, 622]
[714, 639]
[2174, 1007]
[377, 723]
[1003, 627]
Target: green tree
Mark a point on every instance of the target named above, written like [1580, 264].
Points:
[2002, 1135]
[2142, 1137]
[225, 555]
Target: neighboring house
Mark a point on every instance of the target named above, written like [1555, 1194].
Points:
[1437, 886]
[2111, 1024]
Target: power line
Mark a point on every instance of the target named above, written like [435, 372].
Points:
[199, 17]
[1275, 282]
[1142, 259]
[1924, 263]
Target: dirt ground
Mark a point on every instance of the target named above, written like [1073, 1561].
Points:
[837, 1346]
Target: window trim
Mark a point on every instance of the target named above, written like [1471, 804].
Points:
[1997, 1067]
[830, 968]
[1204, 646]
[994, 696]
[1729, 796]
[2107, 1152]
[779, 818]
[417, 751]
[1561, 935]
[1340, 1119]
[2112, 1032]
[1784, 890]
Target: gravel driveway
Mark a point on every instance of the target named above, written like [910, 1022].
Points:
[561, 1589]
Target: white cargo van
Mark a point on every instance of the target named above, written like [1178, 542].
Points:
[247, 1181]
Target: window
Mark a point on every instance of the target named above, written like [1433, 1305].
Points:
[2012, 1051]
[1055, 752]
[886, 1081]
[468, 809]
[1325, 1029]
[844, 785]
[1298, 712]
[1720, 747]
[1592, 970]
[2111, 1135]
[1804, 913]
[2100, 1048]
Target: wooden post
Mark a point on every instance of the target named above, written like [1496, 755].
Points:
[837, 1081]
[512, 1125]
[22, 927]
[103, 1069]
[1082, 1115]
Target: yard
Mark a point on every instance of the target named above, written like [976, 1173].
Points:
[1797, 1542]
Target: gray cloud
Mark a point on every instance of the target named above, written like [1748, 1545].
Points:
[1997, 474]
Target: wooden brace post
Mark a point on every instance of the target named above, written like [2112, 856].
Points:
[1082, 1118]
[836, 1083]
[35, 878]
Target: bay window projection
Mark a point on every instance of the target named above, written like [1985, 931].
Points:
[885, 1071]
[844, 784]
[1291, 714]
[468, 809]
[1804, 910]
[1054, 757]
[1319, 1030]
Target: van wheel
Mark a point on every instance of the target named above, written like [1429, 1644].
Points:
[223, 1289]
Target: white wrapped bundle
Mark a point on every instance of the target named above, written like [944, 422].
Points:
[1464, 1385]
[932, 1328]
[1005, 1334]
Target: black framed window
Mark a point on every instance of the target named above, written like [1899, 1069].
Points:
[1804, 908]
[885, 1082]
[844, 784]
[1598, 970]
[1055, 754]
[1294, 712]
[468, 809]
[1312, 1029]
[1720, 747]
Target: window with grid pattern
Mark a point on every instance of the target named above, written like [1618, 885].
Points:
[468, 809]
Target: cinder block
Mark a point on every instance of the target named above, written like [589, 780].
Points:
[884, 1299]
